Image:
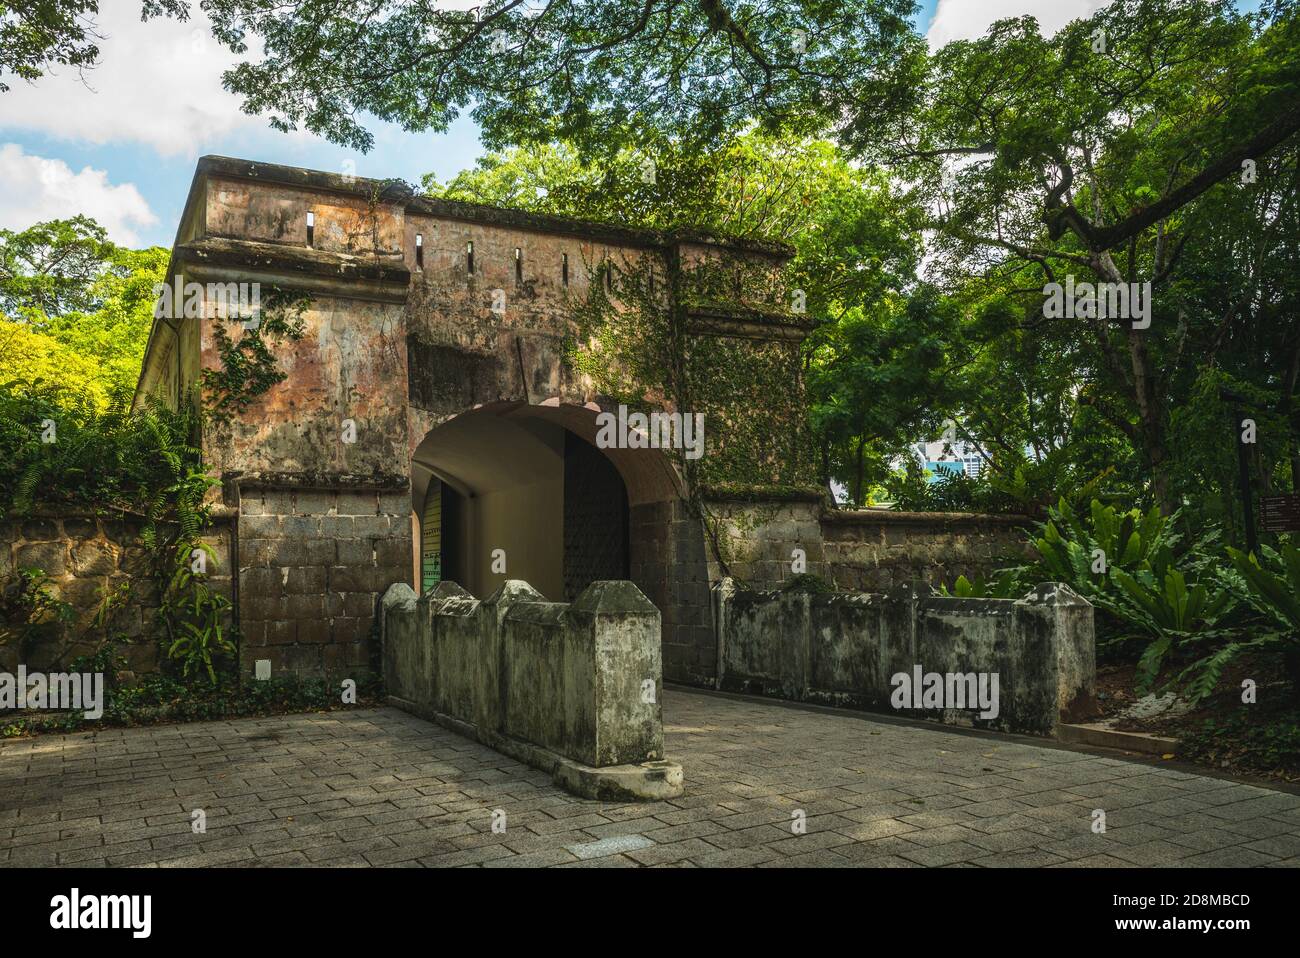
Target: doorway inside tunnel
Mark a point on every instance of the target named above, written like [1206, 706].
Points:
[516, 493]
[595, 518]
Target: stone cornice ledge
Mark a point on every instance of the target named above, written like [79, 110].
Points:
[381, 482]
[219, 259]
[895, 517]
[747, 323]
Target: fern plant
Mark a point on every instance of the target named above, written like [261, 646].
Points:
[1273, 589]
[1083, 553]
[194, 614]
[1159, 599]
[1004, 584]
[29, 610]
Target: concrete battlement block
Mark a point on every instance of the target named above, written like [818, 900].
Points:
[572, 689]
[846, 649]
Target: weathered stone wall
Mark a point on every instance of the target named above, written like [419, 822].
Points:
[402, 343]
[84, 557]
[572, 688]
[871, 550]
[674, 562]
[845, 648]
[758, 538]
[313, 564]
[669, 562]
[341, 409]
[357, 223]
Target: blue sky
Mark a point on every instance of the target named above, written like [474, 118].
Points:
[121, 145]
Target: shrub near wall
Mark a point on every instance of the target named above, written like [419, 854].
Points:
[86, 558]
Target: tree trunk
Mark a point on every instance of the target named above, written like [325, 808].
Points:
[857, 477]
[1146, 393]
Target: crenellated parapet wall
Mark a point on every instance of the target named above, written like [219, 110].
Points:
[573, 689]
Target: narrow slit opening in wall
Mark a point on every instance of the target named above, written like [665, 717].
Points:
[564, 268]
[609, 276]
[311, 228]
[519, 265]
[469, 257]
[419, 251]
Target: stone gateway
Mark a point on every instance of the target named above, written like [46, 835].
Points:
[438, 418]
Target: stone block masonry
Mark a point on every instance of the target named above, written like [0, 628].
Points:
[846, 648]
[313, 565]
[85, 557]
[573, 689]
[875, 549]
[669, 563]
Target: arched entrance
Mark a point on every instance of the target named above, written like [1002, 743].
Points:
[519, 491]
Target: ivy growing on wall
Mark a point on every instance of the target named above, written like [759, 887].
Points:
[248, 362]
[664, 335]
[144, 462]
[648, 334]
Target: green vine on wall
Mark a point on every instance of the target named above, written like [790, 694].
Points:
[193, 614]
[635, 342]
[248, 363]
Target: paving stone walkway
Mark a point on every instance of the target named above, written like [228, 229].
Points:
[377, 787]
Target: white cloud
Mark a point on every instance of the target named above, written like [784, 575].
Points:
[968, 19]
[157, 83]
[39, 189]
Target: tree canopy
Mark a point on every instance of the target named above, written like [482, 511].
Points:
[586, 71]
[38, 34]
[75, 310]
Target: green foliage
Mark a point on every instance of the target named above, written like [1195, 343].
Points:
[878, 375]
[1271, 587]
[1083, 552]
[81, 312]
[1122, 165]
[53, 268]
[1165, 601]
[1018, 490]
[1253, 738]
[140, 462]
[1149, 587]
[114, 600]
[29, 611]
[161, 698]
[77, 310]
[809, 583]
[1273, 590]
[1133, 566]
[1030, 157]
[1006, 584]
[117, 458]
[38, 34]
[586, 70]
[195, 615]
[1159, 600]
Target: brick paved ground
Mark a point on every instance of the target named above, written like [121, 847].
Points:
[378, 787]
